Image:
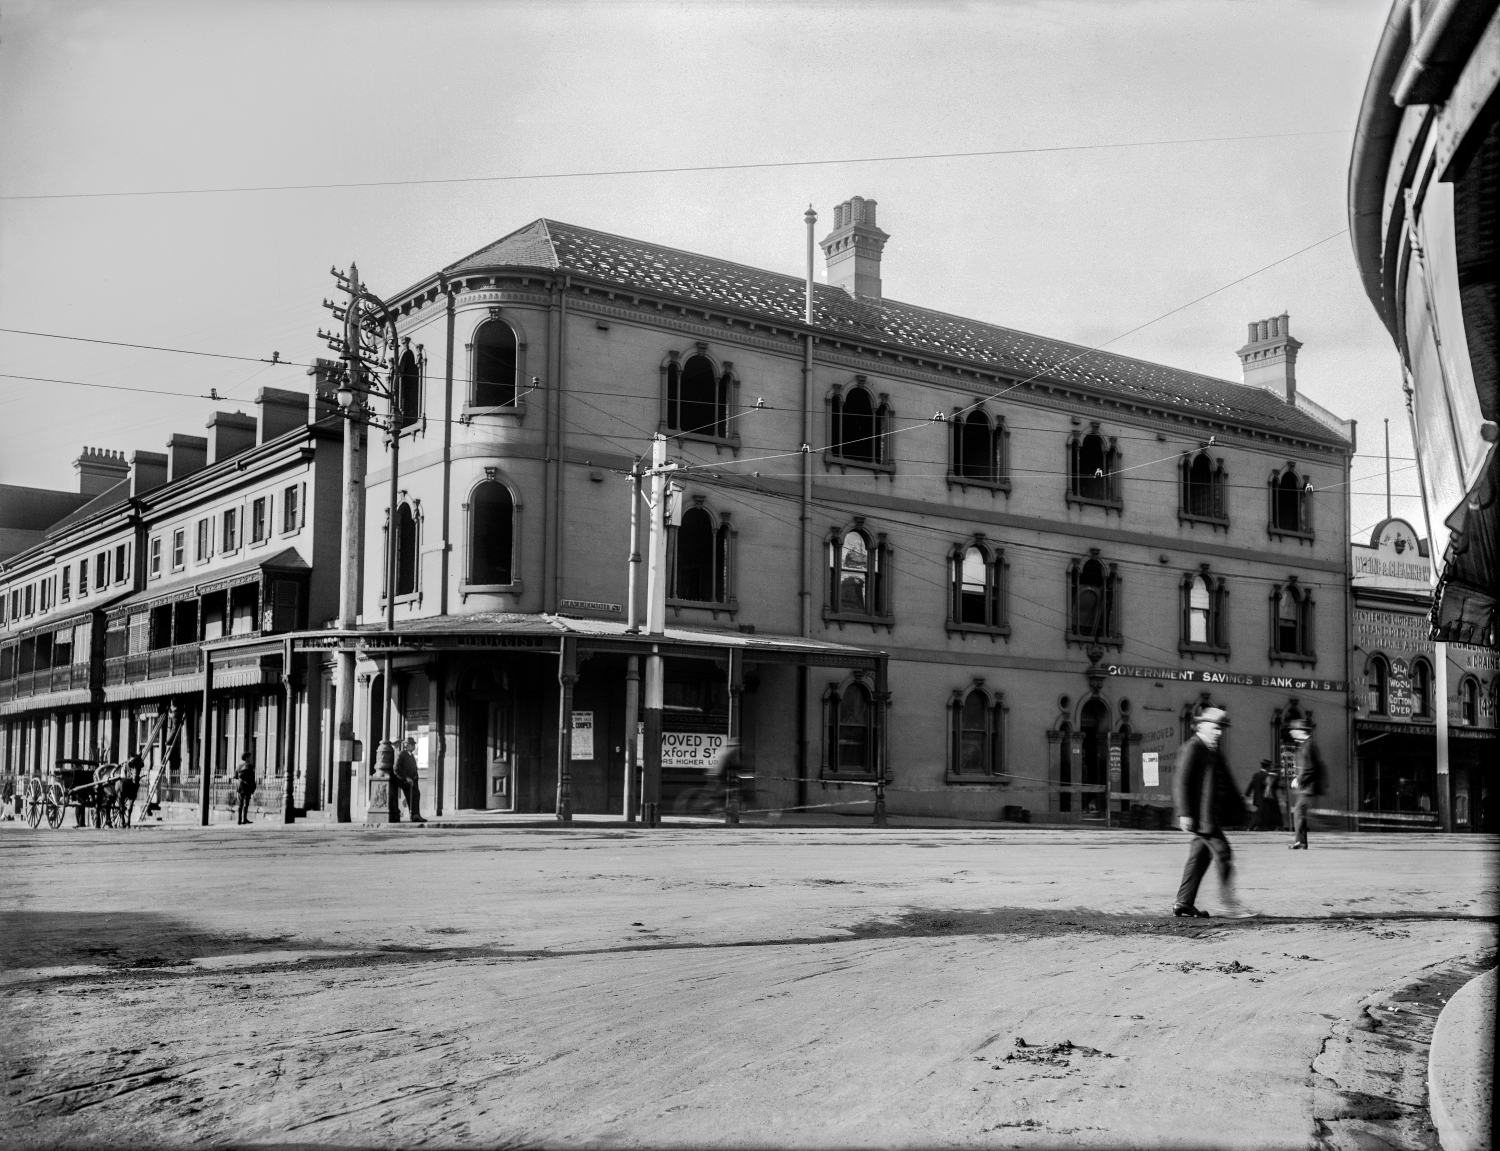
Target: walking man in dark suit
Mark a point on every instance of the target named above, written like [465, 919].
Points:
[1308, 780]
[244, 781]
[1206, 799]
[408, 779]
[1256, 794]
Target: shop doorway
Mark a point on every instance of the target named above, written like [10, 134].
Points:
[486, 742]
[1093, 727]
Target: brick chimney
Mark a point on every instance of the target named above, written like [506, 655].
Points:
[1270, 358]
[229, 434]
[185, 455]
[99, 469]
[281, 411]
[852, 250]
[148, 471]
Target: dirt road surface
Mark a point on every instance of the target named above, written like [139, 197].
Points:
[717, 986]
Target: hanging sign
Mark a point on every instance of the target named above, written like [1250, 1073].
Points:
[583, 735]
[690, 749]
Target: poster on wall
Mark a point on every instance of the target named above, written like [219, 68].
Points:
[690, 749]
[1150, 772]
[583, 735]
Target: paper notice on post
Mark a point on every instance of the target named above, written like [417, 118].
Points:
[1149, 774]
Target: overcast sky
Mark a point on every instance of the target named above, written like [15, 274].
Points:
[1081, 245]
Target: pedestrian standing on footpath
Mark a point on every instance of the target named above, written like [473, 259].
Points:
[1256, 794]
[1207, 801]
[407, 779]
[1308, 780]
[244, 779]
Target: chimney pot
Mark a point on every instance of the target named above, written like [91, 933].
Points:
[185, 455]
[1269, 359]
[99, 469]
[148, 471]
[851, 252]
[281, 411]
[229, 434]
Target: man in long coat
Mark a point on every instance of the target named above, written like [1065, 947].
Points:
[1308, 780]
[1206, 799]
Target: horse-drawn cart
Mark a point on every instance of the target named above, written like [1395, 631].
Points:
[101, 794]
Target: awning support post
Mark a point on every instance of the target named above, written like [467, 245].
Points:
[567, 676]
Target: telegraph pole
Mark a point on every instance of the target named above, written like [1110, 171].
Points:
[656, 623]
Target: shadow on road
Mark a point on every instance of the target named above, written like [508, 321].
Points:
[125, 939]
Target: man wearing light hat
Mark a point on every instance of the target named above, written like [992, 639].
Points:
[1307, 781]
[1206, 799]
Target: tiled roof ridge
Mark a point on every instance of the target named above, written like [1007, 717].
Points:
[541, 221]
[759, 271]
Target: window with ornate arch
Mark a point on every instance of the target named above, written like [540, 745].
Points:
[1205, 487]
[409, 386]
[858, 587]
[699, 396]
[406, 539]
[1290, 496]
[1468, 701]
[1093, 601]
[858, 423]
[976, 573]
[491, 510]
[1378, 697]
[1291, 623]
[699, 558]
[1094, 469]
[497, 364]
[851, 745]
[1421, 689]
[1205, 616]
[976, 735]
[978, 450]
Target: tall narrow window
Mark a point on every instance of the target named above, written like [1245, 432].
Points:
[976, 735]
[179, 549]
[83, 578]
[856, 427]
[1203, 487]
[259, 524]
[978, 590]
[67, 580]
[1291, 622]
[1380, 686]
[200, 552]
[1289, 502]
[291, 507]
[1203, 612]
[409, 390]
[1468, 696]
[494, 365]
[406, 551]
[120, 556]
[1421, 689]
[156, 557]
[699, 559]
[230, 539]
[1094, 597]
[697, 397]
[101, 570]
[857, 576]
[853, 587]
[1199, 605]
[851, 734]
[1093, 468]
[491, 533]
[978, 448]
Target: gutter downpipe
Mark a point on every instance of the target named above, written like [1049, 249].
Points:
[557, 475]
[441, 767]
[805, 550]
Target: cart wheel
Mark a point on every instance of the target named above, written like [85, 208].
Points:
[57, 806]
[35, 806]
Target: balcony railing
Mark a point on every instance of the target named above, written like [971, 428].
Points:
[69, 677]
[148, 665]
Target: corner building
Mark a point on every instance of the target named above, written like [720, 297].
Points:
[1014, 570]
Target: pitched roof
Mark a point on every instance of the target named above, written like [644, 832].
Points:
[743, 289]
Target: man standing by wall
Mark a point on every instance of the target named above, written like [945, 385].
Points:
[1309, 780]
[406, 778]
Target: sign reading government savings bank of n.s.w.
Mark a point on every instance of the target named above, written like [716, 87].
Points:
[1202, 675]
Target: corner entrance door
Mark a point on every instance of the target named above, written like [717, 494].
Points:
[487, 761]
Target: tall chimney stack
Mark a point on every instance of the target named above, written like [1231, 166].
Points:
[852, 250]
[185, 455]
[99, 469]
[229, 434]
[1269, 359]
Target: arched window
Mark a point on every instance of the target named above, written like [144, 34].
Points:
[494, 365]
[1468, 696]
[976, 734]
[1290, 494]
[851, 742]
[1204, 600]
[1203, 488]
[1093, 468]
[1093, 601]
[1421, 689]
[1291, 622]
[977, 575]
[859, 426]
[978, 448]
[699, 561]
[697, 397]
[491, 534]
[1380, 686]
[856, 575]
[406, 551]
[409, 390]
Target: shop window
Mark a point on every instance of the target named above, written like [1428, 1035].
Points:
[978, 450]
[1093, 469]
[698, 554]
[409, 390]
[858, 425]
[857, 576]
[698, 397]
[1421, 689]
[1291, 622]
[491, 534]
[1468, 697]
[1291, 503]
[495, 365]
[1379, 699]
[850, 746]
[1093, 601]
[1204, 488]
[1204, 613]
[976, 735]
[977, 583]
